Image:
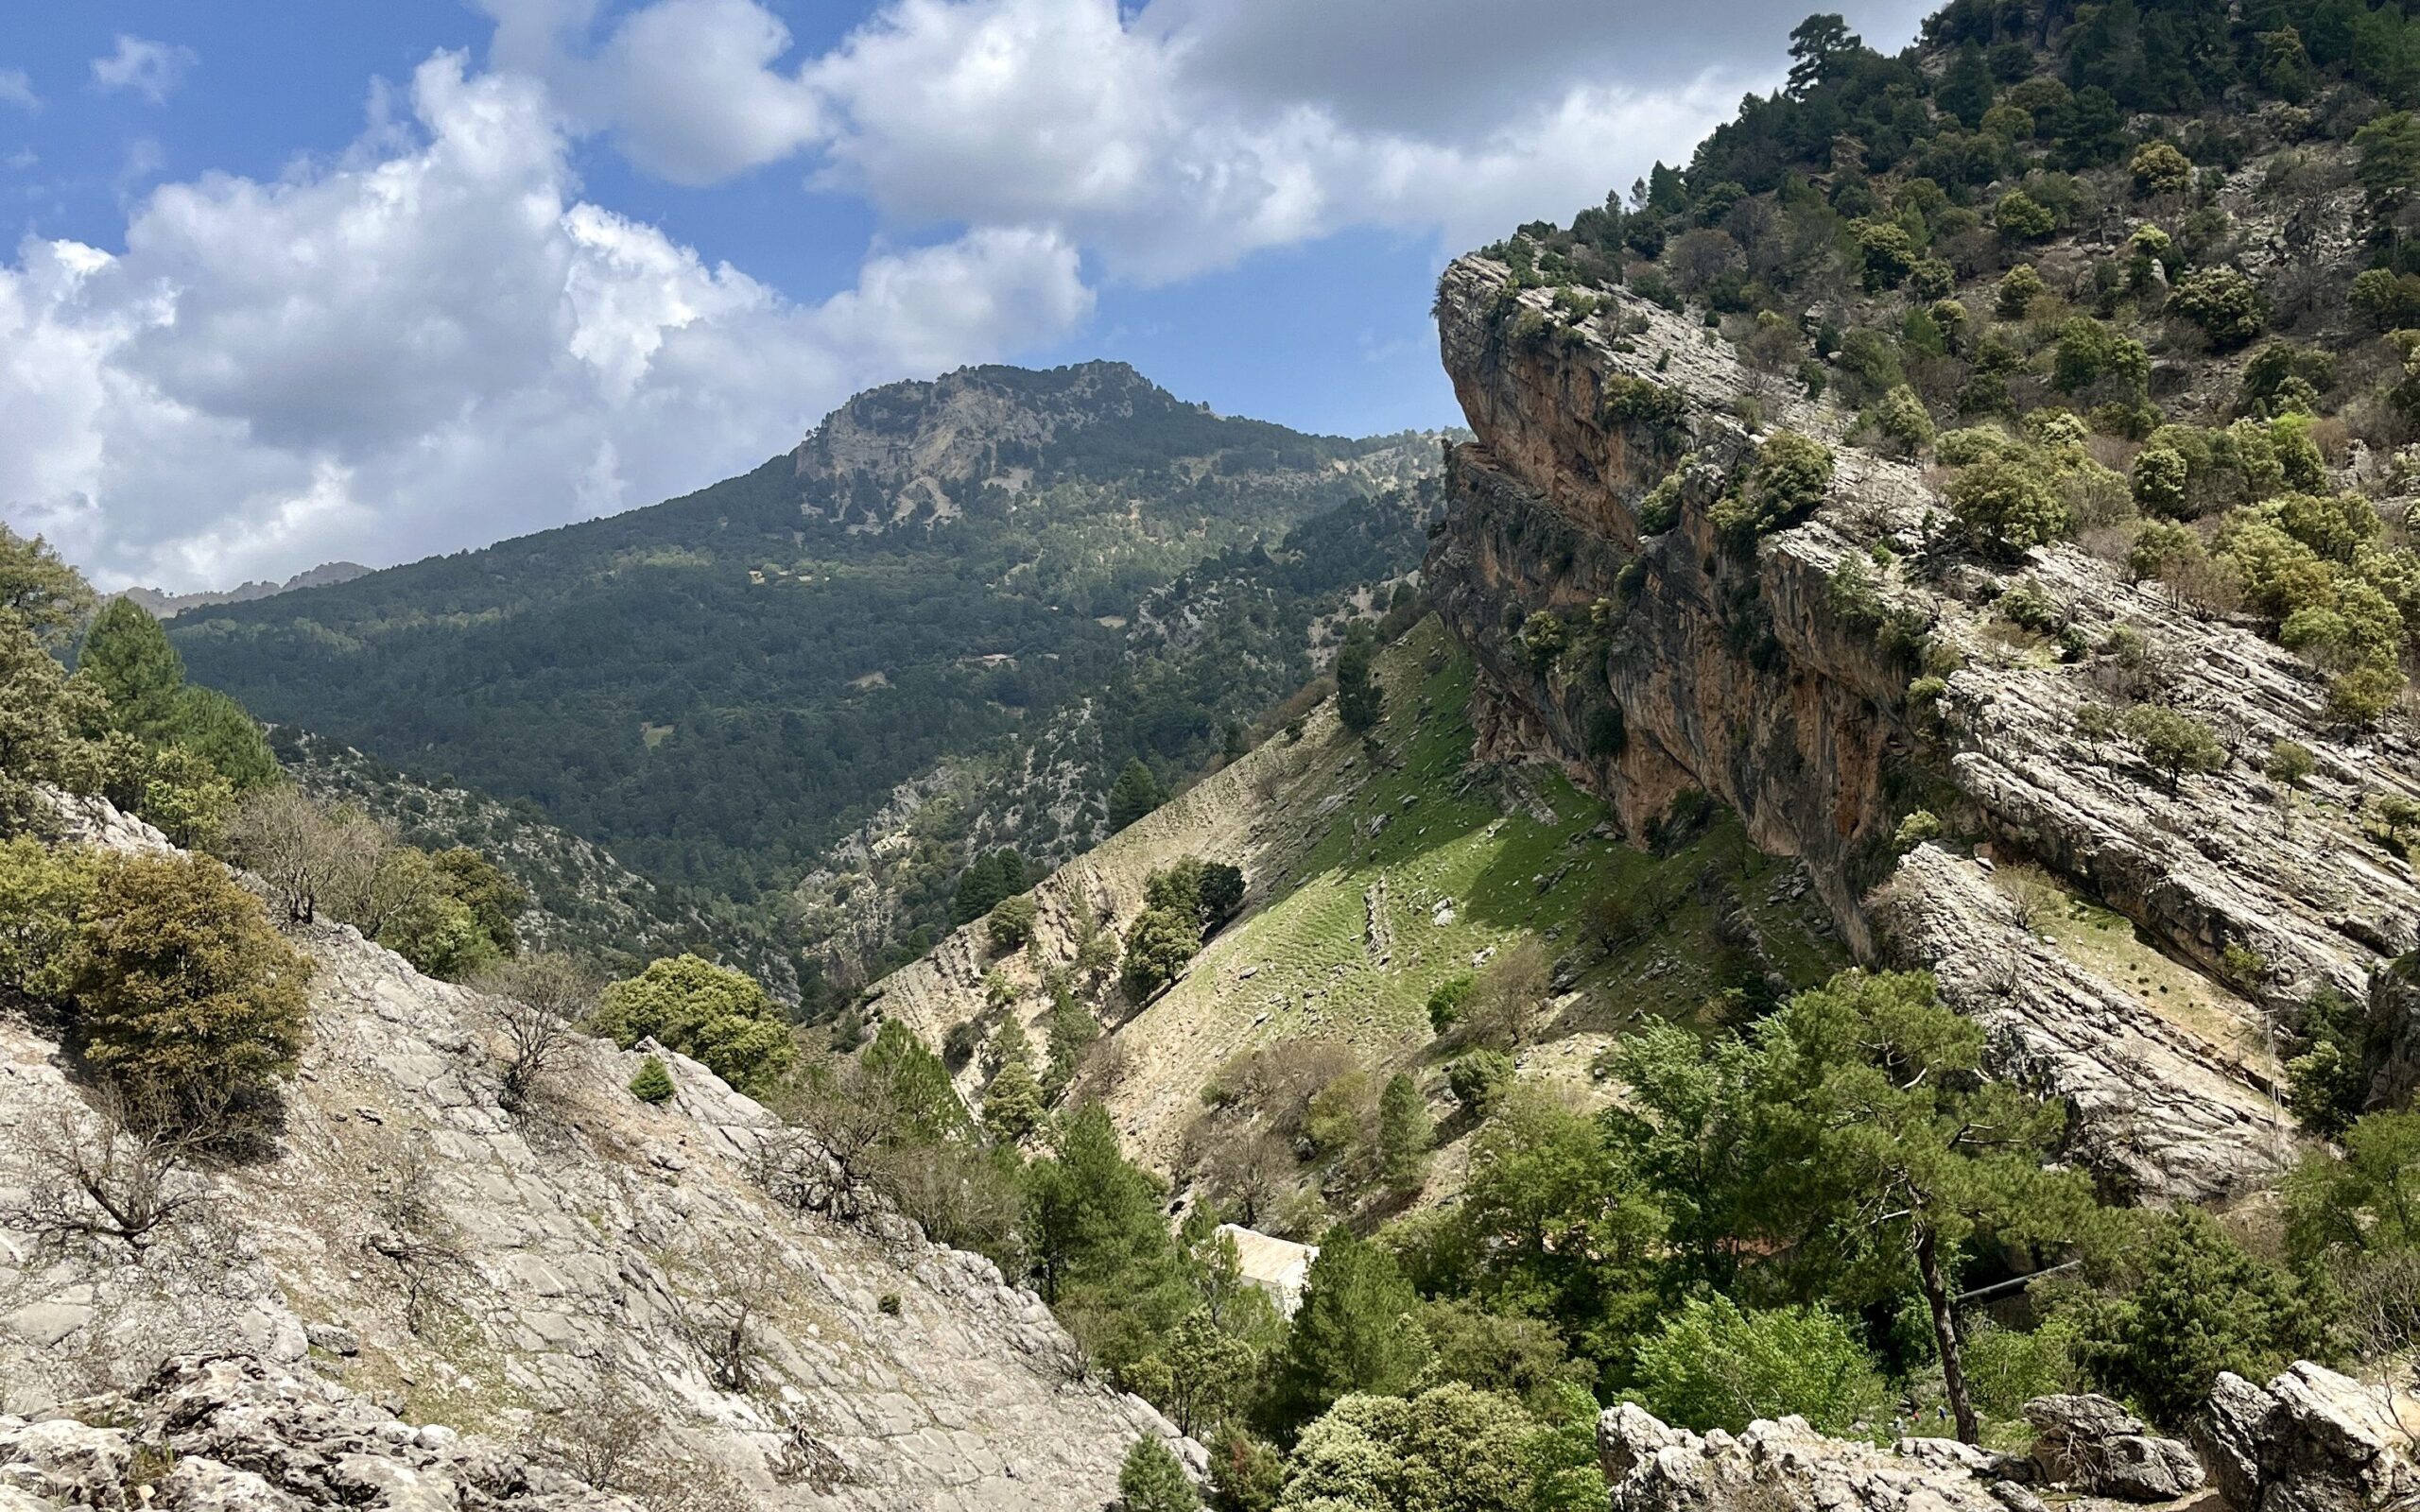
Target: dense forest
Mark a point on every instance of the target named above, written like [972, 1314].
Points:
[721, 687]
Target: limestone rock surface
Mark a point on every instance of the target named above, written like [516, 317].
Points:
[2310, 1440]
[557, 1279]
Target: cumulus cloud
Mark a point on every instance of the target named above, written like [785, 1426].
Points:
[18, 89]
[150, 69]
[1181, 136]
[436, 344]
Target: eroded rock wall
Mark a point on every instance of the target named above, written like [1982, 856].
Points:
[1736, 672]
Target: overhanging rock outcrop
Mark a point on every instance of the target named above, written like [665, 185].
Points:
[1696, 665]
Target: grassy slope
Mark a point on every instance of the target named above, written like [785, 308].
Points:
[1336, 844]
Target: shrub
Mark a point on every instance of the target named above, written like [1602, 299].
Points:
[1886, 252]
[2363, 694]
[1158, 945]
[1915, 829]
[2228, 306]
[1479, 1080]
[1716, 1367]
[185, 991]
[1660, 510]
[1792, 475]
[1405, 1133]
[2159, 545]
[2008, 507]
[716, 1015]
[2173, 742]
[2017, 289]
[2026, 607]
[651, 1083]
[1902, 418]
[2091, 354]
[2158, 481]
[1445, 1003]
[43, 893]
[1543, 640]
[2022, 218]
[2159, 168]
[1010, 925]
[1931, 279]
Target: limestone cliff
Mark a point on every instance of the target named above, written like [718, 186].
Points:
[570, 1276]
[1736, 672]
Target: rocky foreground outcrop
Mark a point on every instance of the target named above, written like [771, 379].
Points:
[2311, 1441]
[233, 1433]
[594, 1274]
[1740, 673]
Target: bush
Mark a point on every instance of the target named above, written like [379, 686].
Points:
[43, 893]
[2017, 290]
[1716, 1367]
[714, 1015]
[2159, 168]
[1792, 475]
[1158, 945]
[1886, 252]
[1543, 640]
[2022, 218]
[2091, 354]
[1915, 829]
[1902, 418]
[2228, 306]
[1010, 925]
[1478, 1080]
[653, 1083]
[2174, 742]
[1445, 1003]
[2008, 507]
[186, 993]
[1660, 510]
[2157, 482]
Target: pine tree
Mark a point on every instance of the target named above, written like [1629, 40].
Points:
[1405, 1133]
[1152, 1481]
[1013, 1106]
[1135, 793]
[128, 656]
[1359, 702]
[1358, 1331]
[1882, 1138]
[653, 1084]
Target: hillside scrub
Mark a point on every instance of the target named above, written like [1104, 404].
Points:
[716, 1015]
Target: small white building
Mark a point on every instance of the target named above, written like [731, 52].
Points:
[1277, 1266]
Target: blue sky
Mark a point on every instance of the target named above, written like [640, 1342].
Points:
[293, 281]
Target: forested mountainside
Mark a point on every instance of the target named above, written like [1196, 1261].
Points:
[1004, 585]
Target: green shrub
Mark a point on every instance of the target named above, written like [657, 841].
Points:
[651, 1083]
[184, 992]
[1886, 252]
[1714, 1365]
[1791, 476]
[1542, 641]
[716, 1015]
[1902, 418]
[1660, 510]
[1915, 829]
[2228, 306]
[2090, 355]
[1158, 946]
[1010, 925]
[2158, 481]
[2017, 289]
[2159, 168]
[1479, 1080]
[2008, 507]
[1446, 1002]
[2022, 218]
[2174, 742]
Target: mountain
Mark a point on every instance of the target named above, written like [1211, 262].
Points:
[1045, 574]
[163, 605]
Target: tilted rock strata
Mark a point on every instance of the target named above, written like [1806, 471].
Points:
[1733, 673]
[2310, 1440]
[568, 1256]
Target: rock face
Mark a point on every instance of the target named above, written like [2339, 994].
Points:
[1787, 1467]
[2097, 1447]
[2309, 1441]
[232, 1433]
[561, 1279]
[1698, 665]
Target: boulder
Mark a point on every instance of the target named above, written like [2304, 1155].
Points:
[1786, 1466]
[2310, 1440]
[2096, 1446]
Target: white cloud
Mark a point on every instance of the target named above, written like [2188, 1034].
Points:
[18, 89]
[437, 344]
[150, 69]
[1181, 136]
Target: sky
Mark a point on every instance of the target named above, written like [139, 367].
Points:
[294, 282]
